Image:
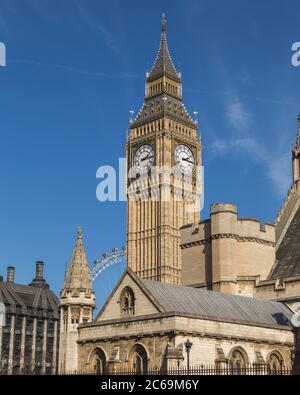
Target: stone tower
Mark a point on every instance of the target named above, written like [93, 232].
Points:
[162, 136]
[77, 302]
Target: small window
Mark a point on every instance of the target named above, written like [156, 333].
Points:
[127, 302]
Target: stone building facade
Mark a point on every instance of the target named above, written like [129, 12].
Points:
[150, 328]
[30, 333]
[208, 283]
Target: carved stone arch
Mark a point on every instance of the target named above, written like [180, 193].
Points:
[275, 360]
[97, 360]
[138, 358]
[238, 360]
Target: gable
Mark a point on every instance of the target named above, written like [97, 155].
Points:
[112, 308]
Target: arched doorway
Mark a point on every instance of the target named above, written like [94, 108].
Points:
[238, 361]
[138, 359]
[98, 361]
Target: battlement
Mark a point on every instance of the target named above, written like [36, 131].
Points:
[223, 208]
[224, 221]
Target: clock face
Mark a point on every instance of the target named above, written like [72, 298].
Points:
[184, 158]
[144, 158]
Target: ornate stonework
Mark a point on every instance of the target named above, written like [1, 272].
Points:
[77, 302]
[153, 223]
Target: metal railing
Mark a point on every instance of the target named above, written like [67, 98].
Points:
[250, 370]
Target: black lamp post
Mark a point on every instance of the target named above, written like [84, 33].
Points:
[188, 346]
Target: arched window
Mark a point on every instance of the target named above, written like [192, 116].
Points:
[275, 361]
[127, 301]
[238, 361]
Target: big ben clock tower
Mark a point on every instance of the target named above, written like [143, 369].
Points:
[162, 136]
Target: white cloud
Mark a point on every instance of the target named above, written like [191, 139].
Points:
[279, 172]
[237, 114]
[277, 167]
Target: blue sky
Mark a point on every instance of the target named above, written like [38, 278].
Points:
[76, 67]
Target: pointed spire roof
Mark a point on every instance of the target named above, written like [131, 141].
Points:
[78, 275]
[163, 64]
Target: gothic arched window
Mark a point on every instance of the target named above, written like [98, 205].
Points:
[237, 361]
[127, 301]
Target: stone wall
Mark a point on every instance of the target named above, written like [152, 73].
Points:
[217, 251]
[159, 333]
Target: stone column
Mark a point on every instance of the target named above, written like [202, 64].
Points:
[62, 327]
[54, 357]
[33, 344]
[81, 315]
[23, 337]
[11, 345]
[69, 318]
[44, 354]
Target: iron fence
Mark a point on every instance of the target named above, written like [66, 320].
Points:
[254, 370]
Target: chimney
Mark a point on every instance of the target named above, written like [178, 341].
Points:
[39, 270]
[10, 274]
[39, 280]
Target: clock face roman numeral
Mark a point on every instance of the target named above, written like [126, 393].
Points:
[184, 158]
[144, 158]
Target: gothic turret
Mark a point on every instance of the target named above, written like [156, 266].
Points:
[77, 302]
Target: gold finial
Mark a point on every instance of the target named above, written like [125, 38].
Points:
[163, 23]
[79, 233]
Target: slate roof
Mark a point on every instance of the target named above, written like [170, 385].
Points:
[22, 297]
[219, 306]
[163, 64]
[288, 253]
[160, 106]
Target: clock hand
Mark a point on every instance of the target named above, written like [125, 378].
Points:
[187, 160]
[147, 157]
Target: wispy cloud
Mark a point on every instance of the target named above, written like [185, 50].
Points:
[97, 27]
[237, 114]
[244, 97]
[73, 69]
[277, 167]
[278, 172]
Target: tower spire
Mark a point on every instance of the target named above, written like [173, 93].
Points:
[163, 90]
[78, 276]
[163, 65]
[163, 23]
